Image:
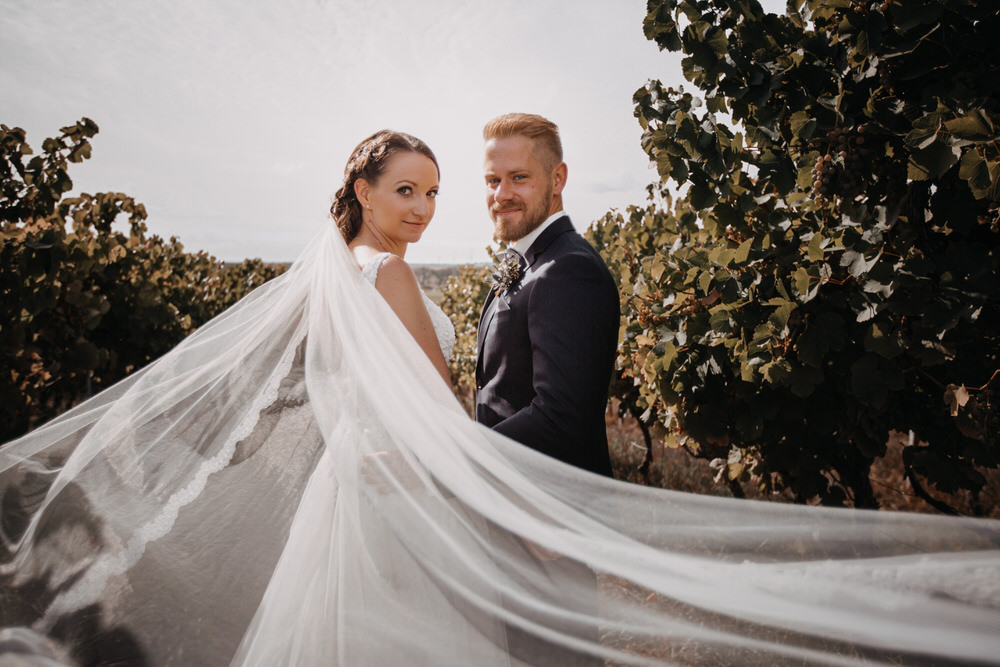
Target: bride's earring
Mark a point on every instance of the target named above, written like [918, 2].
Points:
[361, 193]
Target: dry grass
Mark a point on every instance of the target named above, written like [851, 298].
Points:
[895, 492]
[671, 468]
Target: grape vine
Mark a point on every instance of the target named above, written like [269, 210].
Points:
[831, 273]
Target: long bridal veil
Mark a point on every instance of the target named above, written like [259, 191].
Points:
[293, 484]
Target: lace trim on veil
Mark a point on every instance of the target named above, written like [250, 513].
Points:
[89, 587]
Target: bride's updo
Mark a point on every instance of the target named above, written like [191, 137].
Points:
[368, 161]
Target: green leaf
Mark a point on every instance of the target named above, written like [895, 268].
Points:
[715, 104]
[705, 281]
[816, 245]
[657, 268]
[924, 132]
[802, 125]
[743, 252]
[660, 27]
[871, 381]
[702, 196]
[716, 40]
[81, 152]
[911, 15]
[669, 354]
[933, 161]
[805, 178]
[721, 255]
[804, 380]
[779, 318]
[994, 192]
[862, 46]
[727, 215]
[777, 372]
[720, 319]
[83, 356]
[801, 281]
[857, 263]
[976, 171]
[779, 285]
[974, 126]
[824, 333]
[882, 342]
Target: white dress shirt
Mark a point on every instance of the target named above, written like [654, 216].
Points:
[522, 245]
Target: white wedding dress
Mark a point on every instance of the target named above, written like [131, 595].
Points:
[295, 485]
[333, 536]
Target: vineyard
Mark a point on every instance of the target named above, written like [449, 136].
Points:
[810, 294]
[87, 295]
[829, 274]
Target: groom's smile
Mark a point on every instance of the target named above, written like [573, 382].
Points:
[507, 209]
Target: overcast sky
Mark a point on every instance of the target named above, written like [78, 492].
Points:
[231, 120]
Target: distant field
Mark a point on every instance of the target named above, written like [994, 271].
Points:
[432, 277]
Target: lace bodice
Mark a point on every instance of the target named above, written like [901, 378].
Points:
[443, 327]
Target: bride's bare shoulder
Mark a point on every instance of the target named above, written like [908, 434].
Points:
[396, 274]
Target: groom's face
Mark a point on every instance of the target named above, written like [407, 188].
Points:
[520, 189]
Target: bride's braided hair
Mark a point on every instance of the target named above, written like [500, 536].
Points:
[368, 161]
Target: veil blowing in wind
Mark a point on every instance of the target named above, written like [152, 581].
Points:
[294, 484]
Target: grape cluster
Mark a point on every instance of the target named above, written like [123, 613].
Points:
[646, 317]
[864, 7]
[688, 306]
[839, 171]
[887, 77]
[734, 235]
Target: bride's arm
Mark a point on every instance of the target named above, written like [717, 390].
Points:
[398, 286]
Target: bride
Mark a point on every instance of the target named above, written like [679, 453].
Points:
[294, 484]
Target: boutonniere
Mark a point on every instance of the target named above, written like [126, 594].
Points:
[506, 272]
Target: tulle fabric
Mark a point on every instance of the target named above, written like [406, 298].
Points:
[294, 485]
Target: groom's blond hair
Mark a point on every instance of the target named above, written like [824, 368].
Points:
[542, 131]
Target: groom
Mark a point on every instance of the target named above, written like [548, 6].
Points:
[548, 332]
[547, 340]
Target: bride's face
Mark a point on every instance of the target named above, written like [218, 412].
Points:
[401, 201]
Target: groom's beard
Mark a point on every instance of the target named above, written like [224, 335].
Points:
[531, 218]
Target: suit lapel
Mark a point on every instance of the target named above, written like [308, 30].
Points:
[484, 322]
[486, 307]
[553, 231]
[541, 244]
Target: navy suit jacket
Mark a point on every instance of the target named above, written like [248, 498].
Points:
[547, 349]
